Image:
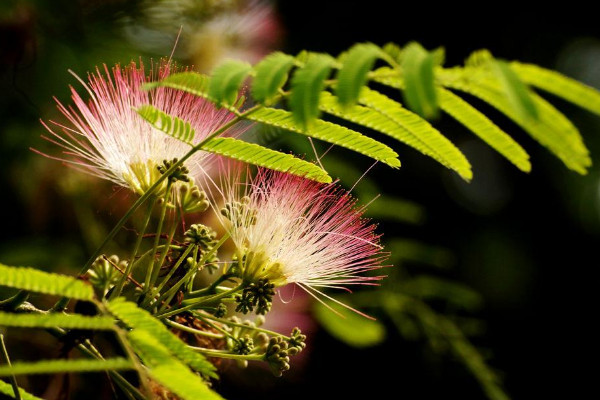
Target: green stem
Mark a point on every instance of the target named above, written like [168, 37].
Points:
[192, 271]
[201, 301]
[181, 259]
[192, 330]
[231, 323]
[218, 328]
[172, 231]
[226, 354]
[166, 297]
[15, 301]
[153, 269]
[119, 379]
[61, 304]
[210, 289]
[119, 287]
[13, 380]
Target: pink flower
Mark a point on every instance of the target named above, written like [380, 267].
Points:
[108, 139]
[289, 229]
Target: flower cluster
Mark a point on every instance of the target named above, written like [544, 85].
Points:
[284, 229]
[108, 139]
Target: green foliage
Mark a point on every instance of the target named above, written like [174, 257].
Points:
[552, 129]
[307, 84]
[516, 92]
[191, 82]
[419, 93]
[419, 75]
[428, 287]
[258, 155]
[226, 80]
[166, 370]
[553, 82]
[421, 135]
[483, 127]
[139, 319]
[50, 320]
[7, 389]
[44, 282]
[328, 132]
[171, 125]
[233, 148]
[271, 74]
[349, 327]
[443, 333]
[56, 366]
[352, 76]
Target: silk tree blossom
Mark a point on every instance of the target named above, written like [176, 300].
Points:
[288, 229]
[108, 139]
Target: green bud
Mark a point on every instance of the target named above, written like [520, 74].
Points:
[179, 174]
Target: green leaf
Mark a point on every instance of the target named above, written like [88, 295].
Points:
[556, 83]
[307, 84]
[480, 58]
[167, 370]
[353, 75]
[419, 133]
[171, 125]
[191, 82]
[55, 366]
[44, 282]
[481, 125]
[225, 81]
[7, 390]
[349, 327]
[394, 51]
[74, 321]
[515, 90]
[140, 319]
[552, 129]
[395, 209]
[328, 132]
[431, 287]
[419, 92]
[402, 250]
[271, 74]
[258, 155]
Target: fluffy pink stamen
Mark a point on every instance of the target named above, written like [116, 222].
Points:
[105, 136]
[314, 231]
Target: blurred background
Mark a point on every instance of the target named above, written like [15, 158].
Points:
[508, 259]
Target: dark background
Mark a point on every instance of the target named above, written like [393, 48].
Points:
[527, 242]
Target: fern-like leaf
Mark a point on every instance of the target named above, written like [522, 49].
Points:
[558, 84]
[552, 129]
[307, 84]
[62, 365]
[258, 155]
[483, 127]
[271, 74]
[167, 370]
[7, 389]
[169, 124]
[419, 93]
[470, 117]
[191, 82]
[353, 75]
[516, 92]
[423, 136]
[50, 320]
[44, 282]
[140, 319]
[394, 51]
[225, 81]
[328, 132]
